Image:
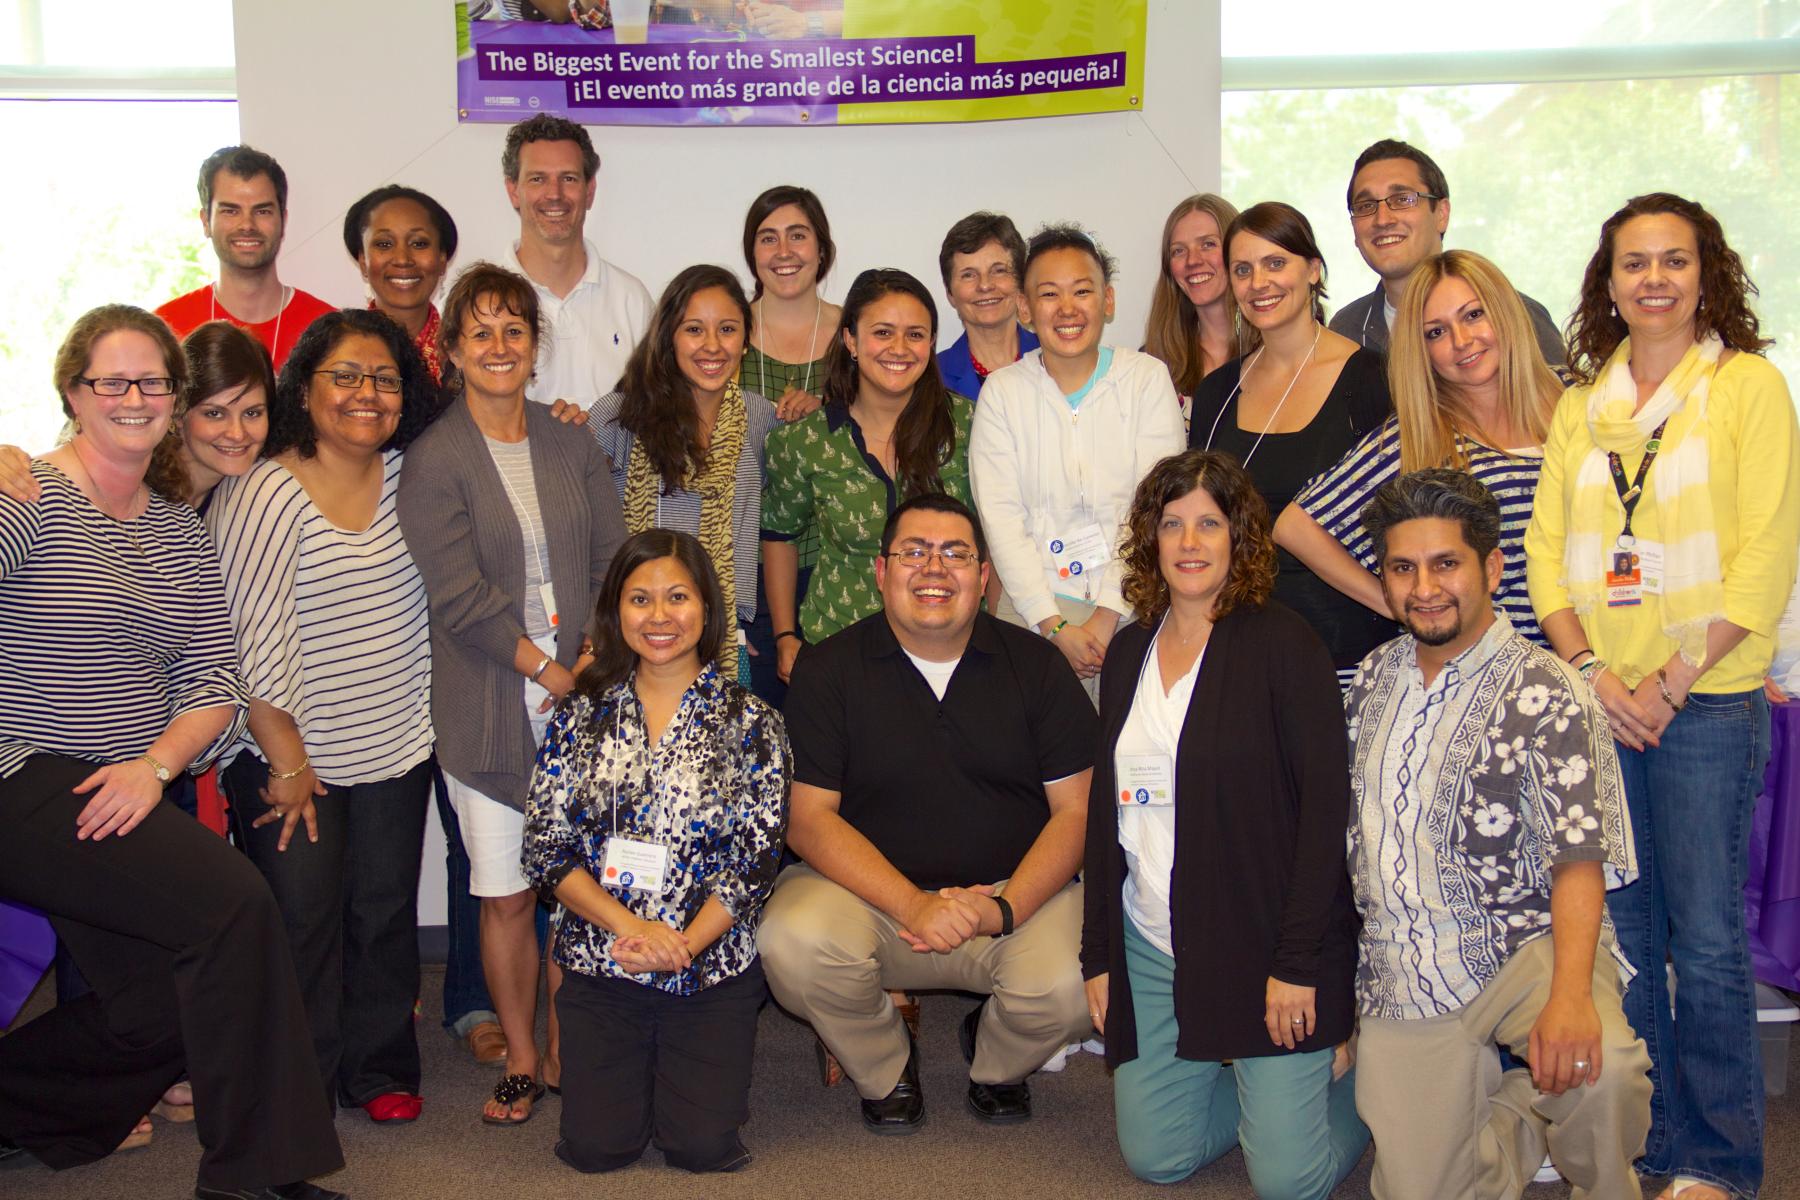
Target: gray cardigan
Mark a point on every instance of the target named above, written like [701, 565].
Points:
[465, 538]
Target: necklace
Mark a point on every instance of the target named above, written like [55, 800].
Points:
[122, 523]
[1244, 374]
[812, 345]
[287, 293]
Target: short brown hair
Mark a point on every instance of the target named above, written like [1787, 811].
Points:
[512, 293]
[1251, 576]
[547, 128]
[166, 476]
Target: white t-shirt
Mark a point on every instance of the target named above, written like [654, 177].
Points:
[937, 674]
[1147, 832]
[588, 334]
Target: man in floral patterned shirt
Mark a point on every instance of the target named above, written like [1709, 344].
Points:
[1490, 813]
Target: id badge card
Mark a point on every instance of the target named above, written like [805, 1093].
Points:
[1650, 565]
[635, 865]
[1081, 551]
[1624, 578]
[1146, 780]
[547, 594]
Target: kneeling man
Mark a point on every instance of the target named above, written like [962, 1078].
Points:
[941, 763]
[1490, 822]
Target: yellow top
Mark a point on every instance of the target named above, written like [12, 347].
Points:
[1754, 470]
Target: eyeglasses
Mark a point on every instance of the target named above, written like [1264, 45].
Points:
[353, 379]
[1396, 202]
[112, 385]
[953, 556]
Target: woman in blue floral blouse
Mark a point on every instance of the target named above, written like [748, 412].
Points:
[655, 822]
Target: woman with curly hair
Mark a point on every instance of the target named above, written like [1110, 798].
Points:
[1660, 555]
[330, 618]
[1217, 790]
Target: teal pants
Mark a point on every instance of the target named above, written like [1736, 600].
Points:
[1299, 1129]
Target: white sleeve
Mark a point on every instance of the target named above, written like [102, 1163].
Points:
[996, 459]
[1156, 434]
[255, 522]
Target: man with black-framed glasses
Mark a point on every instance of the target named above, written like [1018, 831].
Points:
[1399, 204]
[941, 767]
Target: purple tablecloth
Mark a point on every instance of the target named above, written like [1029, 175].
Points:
[27, 945]
[1772, 893]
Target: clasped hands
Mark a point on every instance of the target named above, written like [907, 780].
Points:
[938, 922]
[643, 947]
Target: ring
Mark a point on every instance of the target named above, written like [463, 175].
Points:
[1581, 1064]
[1299, 1020]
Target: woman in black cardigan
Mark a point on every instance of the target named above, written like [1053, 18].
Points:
[1219, 924]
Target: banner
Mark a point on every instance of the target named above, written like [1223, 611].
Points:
[809, 62]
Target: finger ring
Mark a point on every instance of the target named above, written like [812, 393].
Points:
[1299, 1020]
[1581, 1064]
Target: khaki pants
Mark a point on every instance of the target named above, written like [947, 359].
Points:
[1449, 1126]
[1073, 611]
[830, 959]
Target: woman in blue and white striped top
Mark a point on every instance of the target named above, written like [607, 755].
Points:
[331, 626]
[117, 669]
[1471, 391]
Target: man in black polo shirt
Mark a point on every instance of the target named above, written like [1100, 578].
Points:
[941, 763]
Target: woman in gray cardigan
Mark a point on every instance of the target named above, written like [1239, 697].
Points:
[513, 520]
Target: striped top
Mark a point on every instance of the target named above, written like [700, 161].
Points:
[1335, 500]
[513, 461]
[331, 623]
[109, 629]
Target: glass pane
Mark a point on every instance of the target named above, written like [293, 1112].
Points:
[94, 229]
[130, 37]
[1328, 27]
[1535, 169]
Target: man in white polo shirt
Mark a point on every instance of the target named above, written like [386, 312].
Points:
[594, 312]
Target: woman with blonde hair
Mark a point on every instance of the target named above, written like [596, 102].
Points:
[1471, 391]
[1193, 325]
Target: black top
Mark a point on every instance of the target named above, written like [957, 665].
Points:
[1262, 802]
[1284, 463]
[951, 792]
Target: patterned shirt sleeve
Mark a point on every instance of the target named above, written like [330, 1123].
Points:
[553, 843]
[787, 499]
[760, 803]
[1573, 794]
[1336, 497]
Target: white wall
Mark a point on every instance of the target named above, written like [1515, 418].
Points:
[350, 95]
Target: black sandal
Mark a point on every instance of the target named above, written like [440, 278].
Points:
[509, 1091]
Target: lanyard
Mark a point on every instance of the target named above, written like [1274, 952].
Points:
[1631, 493]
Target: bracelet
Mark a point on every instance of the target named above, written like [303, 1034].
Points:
[1058, 628]
[1006, 916]
[1591, 668]
[1662, 685]
[1578, 654]
[789, 633]
[538, 671]
[304, 763]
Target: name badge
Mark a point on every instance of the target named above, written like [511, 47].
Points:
[547, 594]
[1624, 579]
[635, 865]
[1081, 551]
[1145, 780]
[1650, 563]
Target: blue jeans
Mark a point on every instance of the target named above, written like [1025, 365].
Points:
[1691, 800]
[1298, 1127]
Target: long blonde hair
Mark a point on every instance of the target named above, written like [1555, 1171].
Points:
[1172, 332]
[1431, 413]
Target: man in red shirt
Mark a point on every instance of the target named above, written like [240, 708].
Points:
[243, 210]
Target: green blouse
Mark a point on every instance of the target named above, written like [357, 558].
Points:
[771, 378]
[819, 477]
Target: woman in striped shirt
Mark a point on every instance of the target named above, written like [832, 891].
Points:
[1471, 391]
[331, 628]
[116, 670]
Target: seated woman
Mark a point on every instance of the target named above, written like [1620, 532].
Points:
[1214, 707]
[403, 241]
[889, 430]
[512, 518]
[655, 819]
[686, 440]
[330, 620]
[1471, 391]
[1293, 407]
[117, 670]
[1193, 325]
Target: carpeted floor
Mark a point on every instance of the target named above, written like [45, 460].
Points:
[807, 1142]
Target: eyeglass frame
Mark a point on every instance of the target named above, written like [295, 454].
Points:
[94, 382]
[338, 376]
[1388, 200]
[937, 552]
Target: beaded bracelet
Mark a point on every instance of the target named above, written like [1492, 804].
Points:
[1058, 628]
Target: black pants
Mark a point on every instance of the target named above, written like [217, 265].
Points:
[184, 947]
[351, 905]
[640, 1062]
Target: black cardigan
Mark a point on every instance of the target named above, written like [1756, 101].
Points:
[1262, 803]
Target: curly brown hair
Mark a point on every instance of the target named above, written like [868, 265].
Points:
[1250, 577]
[1596, 328]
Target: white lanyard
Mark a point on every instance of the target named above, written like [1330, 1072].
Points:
[1270, 423]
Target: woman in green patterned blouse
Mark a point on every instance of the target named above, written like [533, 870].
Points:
[888, 430]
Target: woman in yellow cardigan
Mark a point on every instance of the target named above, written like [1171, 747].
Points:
[1659, 557]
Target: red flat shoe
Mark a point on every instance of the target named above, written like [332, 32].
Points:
[395, 1107]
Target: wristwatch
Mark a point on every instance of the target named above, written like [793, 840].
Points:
[163, 774]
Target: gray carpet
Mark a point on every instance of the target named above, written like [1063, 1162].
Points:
[806, 1140]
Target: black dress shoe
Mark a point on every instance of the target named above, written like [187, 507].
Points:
[11, 1155]
[998, 1103]
[286, 1191]
[903, 1109]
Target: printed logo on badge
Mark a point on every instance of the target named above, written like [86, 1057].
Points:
[1074, 568]
[1056, 545]
[627, 879]
[1143, 795]
[1624, 580]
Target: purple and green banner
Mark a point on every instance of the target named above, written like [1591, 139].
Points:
[818, 62]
